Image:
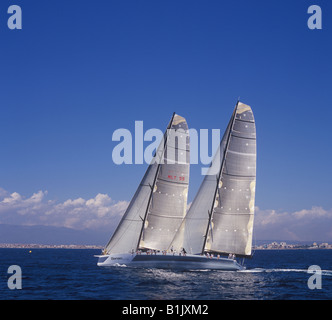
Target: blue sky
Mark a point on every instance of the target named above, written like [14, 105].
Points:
[79, 70]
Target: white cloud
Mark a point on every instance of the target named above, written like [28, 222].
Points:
[313, 224]
[13, 198]
[101, 212]
[314, 212]
[97, 212]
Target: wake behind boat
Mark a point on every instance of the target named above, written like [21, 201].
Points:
[220, 219]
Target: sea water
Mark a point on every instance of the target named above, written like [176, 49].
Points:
[66, 274]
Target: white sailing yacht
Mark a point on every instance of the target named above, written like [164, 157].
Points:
[156, 231]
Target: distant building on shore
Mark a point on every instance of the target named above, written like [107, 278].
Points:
[284, 245]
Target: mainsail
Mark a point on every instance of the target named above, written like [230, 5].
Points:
[158, 206]
[220, 218]
[232, 217]
[168, 204]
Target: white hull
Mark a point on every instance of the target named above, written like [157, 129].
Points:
[168, 261]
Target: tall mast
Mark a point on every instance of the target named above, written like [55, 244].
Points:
[154, 180]
[210, 213]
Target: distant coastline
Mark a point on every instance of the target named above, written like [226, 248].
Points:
[283, 245]
[268, 246]
[47, 246]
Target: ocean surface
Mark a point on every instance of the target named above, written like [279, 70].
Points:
[67, 274]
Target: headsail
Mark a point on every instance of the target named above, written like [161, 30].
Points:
[161, 198]
[168, 204]
[192, 232]
[126, 235]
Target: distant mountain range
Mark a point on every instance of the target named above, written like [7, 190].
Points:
[60, 235]
[51, 235]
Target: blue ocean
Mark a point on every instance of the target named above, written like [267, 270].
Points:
[72, 274]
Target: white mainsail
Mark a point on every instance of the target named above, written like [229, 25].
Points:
[232, 218]
[158, 206]
[168, 203]
[220, 218]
